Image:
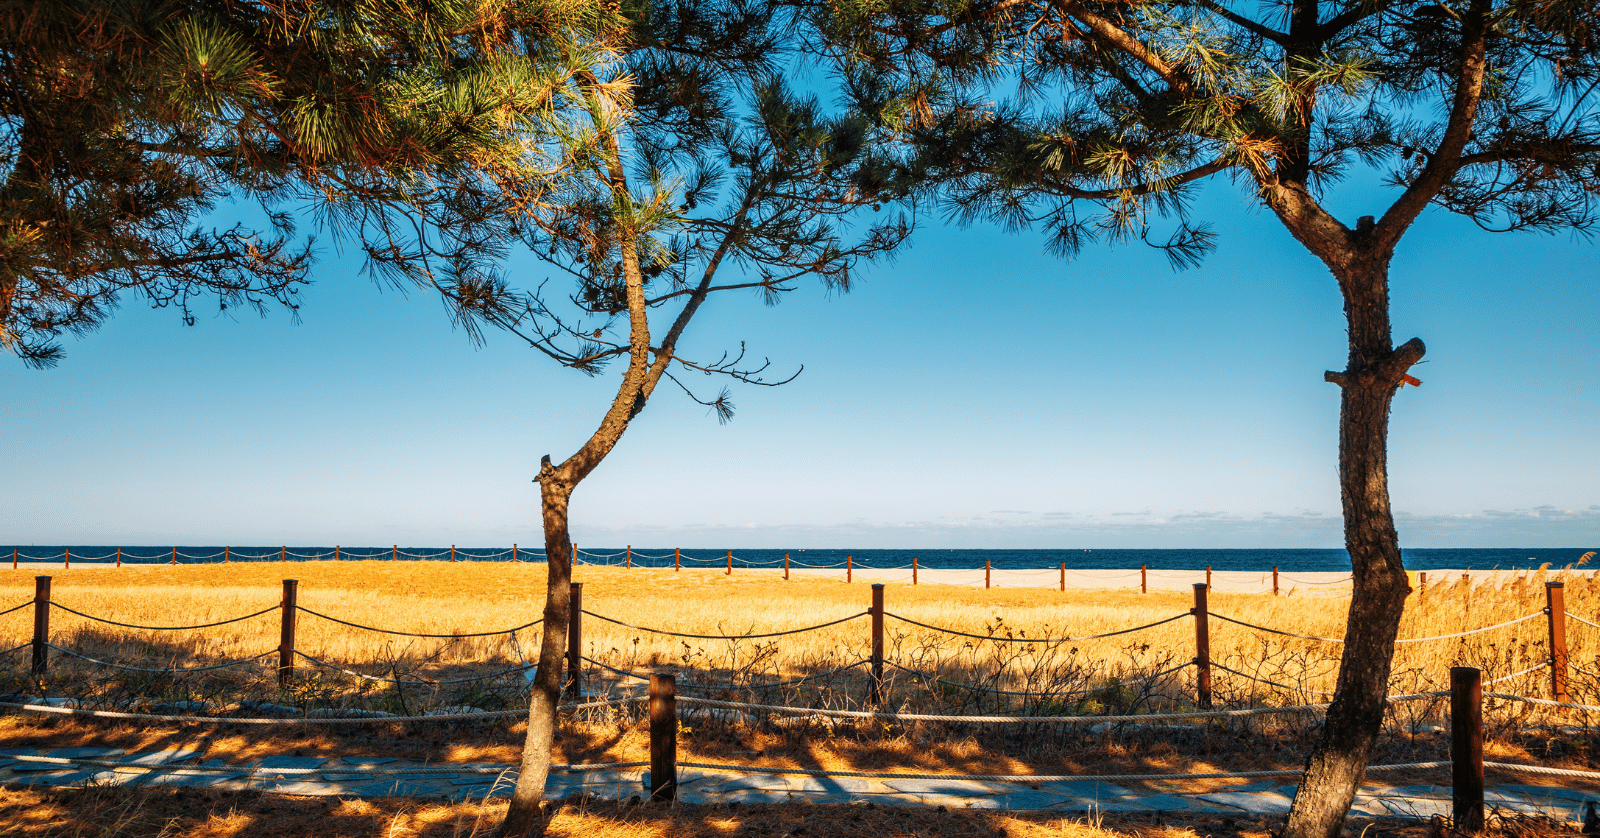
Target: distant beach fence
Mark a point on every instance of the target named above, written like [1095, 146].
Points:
[626, 558]
[288, 610]
[1466, 695]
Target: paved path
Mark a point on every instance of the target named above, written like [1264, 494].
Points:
[355, 776]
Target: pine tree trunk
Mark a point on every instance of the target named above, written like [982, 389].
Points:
[1338, 762]
[524, 815]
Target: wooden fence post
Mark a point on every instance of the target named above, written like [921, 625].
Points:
[67, 552]
[663, 737]
[41, 625]
[913, 570]
[13, 558]
[1202, 648]
[849, 568]
[394, 553]
[227, 555]
[283, 553]
[677, 561]
[1063, 577]
[730, 563]
[575, 643]
[877, 644]
[513, 551]
[627, 562]
[452, 552]
[986, 574]
[290, 605]
[574, 554]
[1208, 577]
[336, 556]
[1274, 580]
[119, 557]
[174, 555]
[785, 567]
[1422, 582]
[1466, 748]
[1556, 598]
[1144, 579]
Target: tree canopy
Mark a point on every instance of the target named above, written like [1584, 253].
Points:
[124, 123]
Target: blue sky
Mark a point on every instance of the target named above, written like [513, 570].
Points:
[976, 393]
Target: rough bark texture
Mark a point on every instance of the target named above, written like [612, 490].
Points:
[1338, 762]
[523, 815]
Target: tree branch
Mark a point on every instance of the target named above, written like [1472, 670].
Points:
[1446, 159]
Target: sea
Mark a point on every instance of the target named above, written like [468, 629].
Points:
[1287, 560]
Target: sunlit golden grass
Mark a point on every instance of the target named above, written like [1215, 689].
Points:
[435, 597]
[440, 598]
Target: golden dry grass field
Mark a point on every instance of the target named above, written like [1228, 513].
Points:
[1069, 678]
[467, 597]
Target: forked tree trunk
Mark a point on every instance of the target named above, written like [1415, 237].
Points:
[523, 815]
[1376, 371]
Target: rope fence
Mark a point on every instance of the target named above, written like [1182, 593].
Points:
[1558, 664]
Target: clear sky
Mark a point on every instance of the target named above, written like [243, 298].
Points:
[977, 393]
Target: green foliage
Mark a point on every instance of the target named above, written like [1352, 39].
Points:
[1120, 108]
[124, 122]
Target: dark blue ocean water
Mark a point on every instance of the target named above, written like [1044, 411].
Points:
[1298, 560]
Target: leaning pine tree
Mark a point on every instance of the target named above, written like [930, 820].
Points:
[1485, 108]
[691, 169]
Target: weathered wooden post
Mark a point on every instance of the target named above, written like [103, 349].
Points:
[394, 553]
[913, 570]
[986, 574]
[227, 555]
[677, 561]
[1063, 577]
[1208, 577]
[575, 643]
[1556, 599]
[849, 568]
[338, 558]
[663, 737]
[41, 625]
[877, 644]
[1202, 648]
[283, 553]
[289, 606]
[1274, 580]
[627, 561]
[452, 552]
[13, 558]
[1466, 748]
[514, 551]
[67, 553]
[1144, 579]
[174, 555]
[730, 563]
[1422, 582]
[785, 567]
[119, 557]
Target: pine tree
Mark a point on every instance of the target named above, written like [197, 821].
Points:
[1484, 108]
[125, 122]
[696, 169]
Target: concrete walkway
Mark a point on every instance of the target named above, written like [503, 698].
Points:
[355, 776]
